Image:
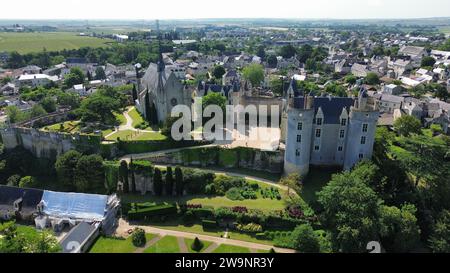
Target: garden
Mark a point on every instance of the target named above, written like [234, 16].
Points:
[141, 242]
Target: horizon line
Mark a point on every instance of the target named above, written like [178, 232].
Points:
[226, 18]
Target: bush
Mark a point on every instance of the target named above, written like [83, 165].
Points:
[208, 224]
[196, 180]
[138, 237]
[225, 214]
[224, 183]
[234, 194]
[203, 213]
[197, 245]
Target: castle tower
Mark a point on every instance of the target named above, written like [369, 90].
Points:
[299, 136]
[362, 125]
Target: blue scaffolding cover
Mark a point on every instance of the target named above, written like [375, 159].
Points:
[75, 205]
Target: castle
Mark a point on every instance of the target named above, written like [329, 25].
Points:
[327, 131]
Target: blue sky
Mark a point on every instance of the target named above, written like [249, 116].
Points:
[185, 9]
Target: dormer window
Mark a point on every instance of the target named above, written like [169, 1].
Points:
[319, 121]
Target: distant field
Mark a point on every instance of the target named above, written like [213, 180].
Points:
[445, 29]
[52, 41]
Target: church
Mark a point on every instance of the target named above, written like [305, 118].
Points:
[161, 89]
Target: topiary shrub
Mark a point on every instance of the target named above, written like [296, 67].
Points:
[138, 237]
[234, 194]
[197, 245]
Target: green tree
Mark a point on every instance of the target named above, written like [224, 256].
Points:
[76, 76]
[101, 106]
[89, 174]
[350, 210]
[138, 237]
[428, 61]
[49, 104]
[407, 125]
[179, 181]
[305, 240]
[123, 175]
[272, 61]
[439, 241]
[214, 99]
[37, 111]
[350, 79]
[68, 99]
[294, 184]
[13, 180]
[157, 182]
[260, 52]
[372, 78]
[399, 229]
[288, 51]
[66, 166]
[27, 182]
[14, 114]
[15, 60]
[134, 93]
[169, 181]
[100, 73]
[254, 73]
[197, 245]
[218, 72]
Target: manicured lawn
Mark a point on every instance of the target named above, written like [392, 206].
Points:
[132, 135]
[51, 41]
[121, 118]
[168, 244]
[189, 242]
[116, 245]
[67, 127]
[136, 117]
[231, 249]
[113, 245]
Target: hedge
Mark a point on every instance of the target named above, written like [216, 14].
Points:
[203, 213]
[208, 224]
[142, 212]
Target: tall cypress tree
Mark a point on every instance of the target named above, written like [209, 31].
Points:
[157, 182]
[179, 187]
[133, 180]
[134, 93]
[169, 181]
[123, 175]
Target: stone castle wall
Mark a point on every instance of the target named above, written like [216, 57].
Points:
[48, 144]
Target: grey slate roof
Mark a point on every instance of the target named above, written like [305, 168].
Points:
[150, 79]
[30, 197]
[331, 107]
[79, 234]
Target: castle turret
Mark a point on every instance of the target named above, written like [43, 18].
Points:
[362, 125]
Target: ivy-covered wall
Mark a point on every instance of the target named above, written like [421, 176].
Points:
[224, 158]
